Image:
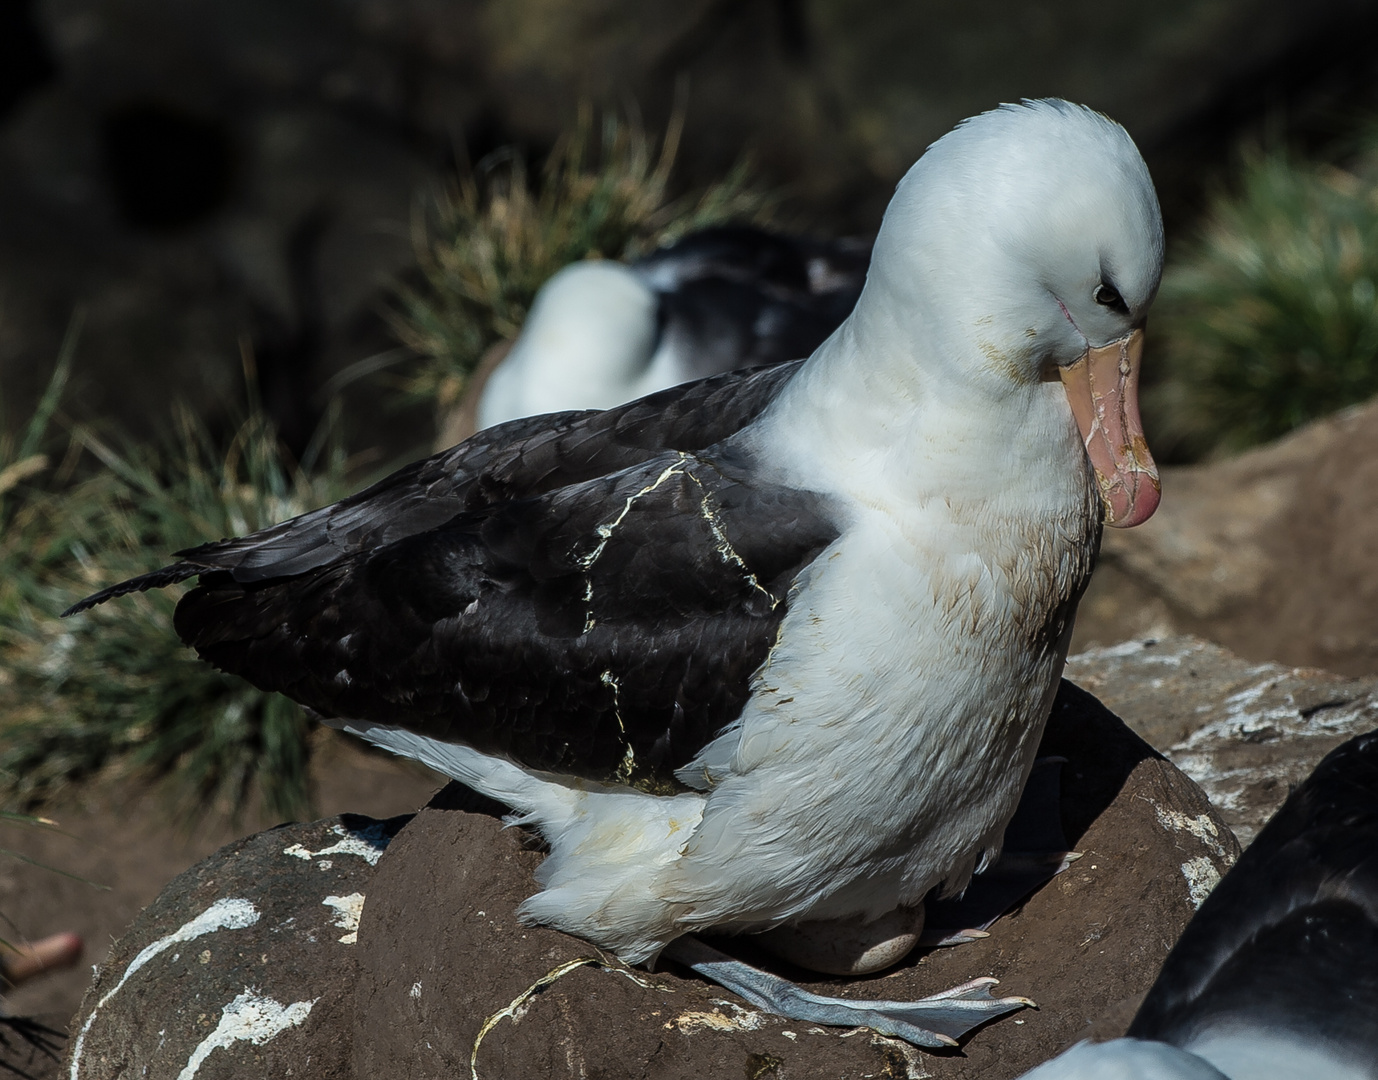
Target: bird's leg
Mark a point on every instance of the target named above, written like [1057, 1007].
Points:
[934, 1021]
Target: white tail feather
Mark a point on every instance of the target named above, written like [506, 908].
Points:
[607, 842]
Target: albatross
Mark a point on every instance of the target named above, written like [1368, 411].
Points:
[1276, 977]
[769, 652]
[601, 332]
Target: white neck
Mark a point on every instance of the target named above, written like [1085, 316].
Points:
[867, 416]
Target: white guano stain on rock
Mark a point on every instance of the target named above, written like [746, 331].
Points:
[1200, 826]
[227, 914]
[368, 844]
[698, 1020]
[248, 1018]
[1263, 713]
[347, 912]
[1145, 652]
[1202, 877]
[914, 1067]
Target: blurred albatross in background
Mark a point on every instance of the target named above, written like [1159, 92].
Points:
[769, 652]
[601, 332]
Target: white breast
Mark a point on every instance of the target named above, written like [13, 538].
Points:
[895, 722]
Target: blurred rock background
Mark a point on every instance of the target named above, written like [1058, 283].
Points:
[214, 178]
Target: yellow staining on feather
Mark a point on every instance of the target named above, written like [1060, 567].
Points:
[1025, 591]
[609, 679]
[627, 766]
[706, 509]
[724, 545]
[1002, 362]
[589, 621]
[605, 531]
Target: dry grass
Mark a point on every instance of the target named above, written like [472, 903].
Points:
[113, 688]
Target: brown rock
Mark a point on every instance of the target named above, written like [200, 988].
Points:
[448, 979]
[1245, 732]
[1268, 553]
[243, 967]
[444, 979]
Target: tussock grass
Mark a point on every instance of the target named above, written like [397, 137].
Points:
[23, 460]
[1271, 313]
[113, 688]
[498, 233]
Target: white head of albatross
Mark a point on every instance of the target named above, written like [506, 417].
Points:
[1021, 251]
[831, 600]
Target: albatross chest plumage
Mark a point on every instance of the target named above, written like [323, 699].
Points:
[895, 719]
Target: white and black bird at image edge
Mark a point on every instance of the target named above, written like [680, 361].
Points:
[772, 651]
[1276, 977]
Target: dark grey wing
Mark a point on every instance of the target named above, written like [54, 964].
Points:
[518, 459]
[1289, 938]
[607, 628]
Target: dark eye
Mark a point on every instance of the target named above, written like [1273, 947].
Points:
[1108, 297]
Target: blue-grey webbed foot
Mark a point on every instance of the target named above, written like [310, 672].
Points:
[1033, 853]
[935, 1021]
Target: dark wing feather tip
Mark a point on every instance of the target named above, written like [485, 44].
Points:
[168, 575]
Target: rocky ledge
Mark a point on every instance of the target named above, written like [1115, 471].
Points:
[354, 948]
[348, 949]
[1245, 732]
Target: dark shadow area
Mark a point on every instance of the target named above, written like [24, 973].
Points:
[1101, 752]
[287, 346]
[26, 61]
[167, 168]
[1097, 752]
[1309, 96]
[455, 796]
